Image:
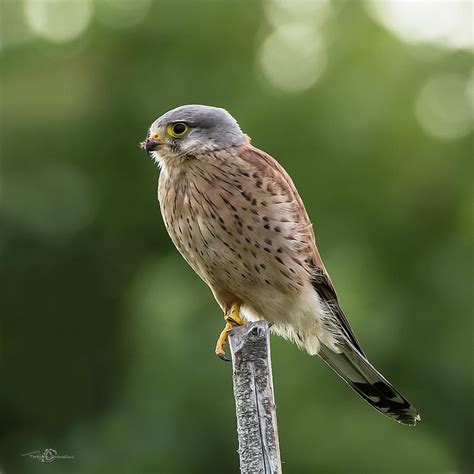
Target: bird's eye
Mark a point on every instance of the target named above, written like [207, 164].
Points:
[177, 130]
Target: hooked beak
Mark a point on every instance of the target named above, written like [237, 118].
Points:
[151, 143]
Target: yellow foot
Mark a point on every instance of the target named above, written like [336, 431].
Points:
[234, 316]
[232, 319]
[222, 341]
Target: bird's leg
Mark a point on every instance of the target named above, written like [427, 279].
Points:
[232, 318]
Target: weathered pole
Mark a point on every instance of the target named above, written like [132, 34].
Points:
[259, 449]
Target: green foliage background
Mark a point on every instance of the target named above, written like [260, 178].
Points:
[107, 336]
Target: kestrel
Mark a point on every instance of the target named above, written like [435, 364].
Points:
[235, 215]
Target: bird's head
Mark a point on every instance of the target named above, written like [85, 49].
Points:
[192, 130]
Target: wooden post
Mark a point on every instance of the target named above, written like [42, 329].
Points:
[259, 449]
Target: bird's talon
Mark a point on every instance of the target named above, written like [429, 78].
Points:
[223, 357]
[231, 320]
[233, 315]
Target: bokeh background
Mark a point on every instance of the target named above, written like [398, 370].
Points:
[107, 336]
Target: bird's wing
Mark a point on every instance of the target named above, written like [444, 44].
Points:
[321, 281]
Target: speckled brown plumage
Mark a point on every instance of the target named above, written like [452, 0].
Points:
[237, 219]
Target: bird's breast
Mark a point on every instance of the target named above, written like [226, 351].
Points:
[231, 231]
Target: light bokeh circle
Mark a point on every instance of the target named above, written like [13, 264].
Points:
[443, 107]
[58, 21]
[292, 57]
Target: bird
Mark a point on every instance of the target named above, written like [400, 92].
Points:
[234, 214]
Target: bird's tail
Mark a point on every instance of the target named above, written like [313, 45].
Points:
[364, 378]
